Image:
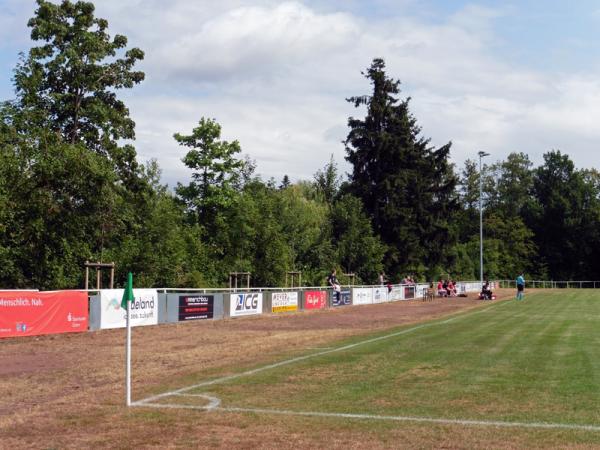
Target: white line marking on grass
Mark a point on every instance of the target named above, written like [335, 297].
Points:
[441, 421]
[213, 402]
[177, 406]
[305, 357]
[492, 423]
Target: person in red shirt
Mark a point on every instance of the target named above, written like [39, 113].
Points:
[451, 289]
[440, 289]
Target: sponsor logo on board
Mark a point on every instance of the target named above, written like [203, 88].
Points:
[245, 304]
[284, 302]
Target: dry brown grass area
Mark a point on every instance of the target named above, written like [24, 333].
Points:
[67, 391]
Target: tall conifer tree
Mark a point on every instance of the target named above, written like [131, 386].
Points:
[407, 187]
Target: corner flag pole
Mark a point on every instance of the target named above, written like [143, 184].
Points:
[126, 304]
[128, 355]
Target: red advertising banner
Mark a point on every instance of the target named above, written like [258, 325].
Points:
[27, 313]
[315, 299]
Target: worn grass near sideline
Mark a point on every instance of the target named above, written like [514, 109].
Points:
[531, 361]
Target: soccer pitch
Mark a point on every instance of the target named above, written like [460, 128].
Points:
[530, 364]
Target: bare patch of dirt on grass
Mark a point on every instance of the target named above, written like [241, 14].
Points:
[67, 391]
[421, 373]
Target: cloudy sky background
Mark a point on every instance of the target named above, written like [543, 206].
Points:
[496, 76]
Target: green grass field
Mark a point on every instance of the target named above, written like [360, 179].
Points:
[533, 361]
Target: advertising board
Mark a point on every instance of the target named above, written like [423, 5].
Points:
[409, 292]
[27, 313]
[284, 302]
[245, 304]
[397, 293]
[144, 308]
[420, 288]
[315, 299]
[362, 296]
[196, 307]
[463, 288]
[380, 294]
[344, 300]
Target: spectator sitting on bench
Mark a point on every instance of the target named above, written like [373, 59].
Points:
[441, 291]
[451, 289]
[486, 292]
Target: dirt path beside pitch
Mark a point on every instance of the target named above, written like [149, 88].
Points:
[67, 391]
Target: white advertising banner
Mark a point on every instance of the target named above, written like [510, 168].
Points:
[144, 308]
[396, 294]
[284, 302]
[468, 287]
[419, 290]
[362, 296]
[380, 294]
[245, 304]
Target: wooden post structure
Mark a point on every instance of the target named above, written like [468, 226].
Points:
[99, 267]
[292, 277]
[233, 279]
[351, 276]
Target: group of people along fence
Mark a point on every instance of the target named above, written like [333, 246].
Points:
[445, 288]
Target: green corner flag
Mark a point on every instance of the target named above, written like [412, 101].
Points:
[128, 293]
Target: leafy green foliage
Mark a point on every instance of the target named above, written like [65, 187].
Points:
[216, 172]
[71, 189]
[514, 184]
[69, 81]
[55, 198]
[304, 218]
[327, 181]
[359, 250]
[564, 217]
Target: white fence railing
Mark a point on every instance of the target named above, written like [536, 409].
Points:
[416, 288]
[462, 286]
[552, 284]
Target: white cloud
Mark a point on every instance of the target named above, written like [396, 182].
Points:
[574, 109]
[252, 42]
[276, 75]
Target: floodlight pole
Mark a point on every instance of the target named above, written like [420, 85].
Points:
[481, 155]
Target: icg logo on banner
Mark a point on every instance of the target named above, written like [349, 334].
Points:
[345, 299]
[245, 304]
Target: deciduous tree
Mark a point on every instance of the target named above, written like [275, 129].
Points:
[216, 172]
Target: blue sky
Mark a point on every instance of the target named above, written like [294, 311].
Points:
[499, 76]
